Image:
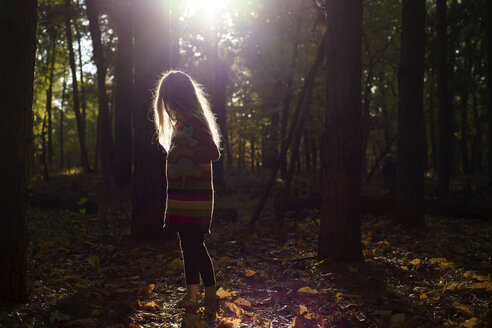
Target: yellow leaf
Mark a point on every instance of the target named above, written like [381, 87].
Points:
[242, 302]
[249, 273]
[480, 277]
[447, 265]
[404, 268]
[423, 296]
[352, 298]
[471, 323]
[222, 293]
[234, 309]
[468, 274]
[482, 285]
[416, 262]
[296, 323]
[438, 259]
[145, 290]
[303, 310]
[307, 290]
[466, 309]
[450, 286]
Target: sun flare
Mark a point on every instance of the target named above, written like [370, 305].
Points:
[208, 9]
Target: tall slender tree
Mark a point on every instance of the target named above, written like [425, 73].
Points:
[152, 53]
[106, 131]
[75, 90]
[18, 36]
[341, 161]
[410, 186]
[121, 14]
[444, 160]
[489, 85]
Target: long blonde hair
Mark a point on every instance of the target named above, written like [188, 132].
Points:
[177, 94]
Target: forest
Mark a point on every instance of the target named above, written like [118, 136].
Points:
[353, 188]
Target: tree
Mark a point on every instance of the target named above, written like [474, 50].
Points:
[18, 35]
[410, 186]
[121, 14]
[151, 58]
[341, 161]
[489, 84]
[76, 105]
[444, 160]
[106, 136]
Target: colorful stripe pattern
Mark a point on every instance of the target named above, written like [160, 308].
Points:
[190, 200]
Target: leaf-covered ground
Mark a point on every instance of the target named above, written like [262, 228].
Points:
[84, 271]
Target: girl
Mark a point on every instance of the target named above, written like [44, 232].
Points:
[180, 102]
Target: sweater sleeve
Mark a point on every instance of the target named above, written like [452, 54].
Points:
[205, 150]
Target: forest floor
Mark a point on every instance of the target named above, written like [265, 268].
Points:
[84, 270]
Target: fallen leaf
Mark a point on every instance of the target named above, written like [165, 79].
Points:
[471, 323]
[234, 308]
[242, 302]
[145, 289]
[249, 273]
[303, 310]
[307, 290]
[416, 262]
[222, 293]
[482, 285]
[466, 309]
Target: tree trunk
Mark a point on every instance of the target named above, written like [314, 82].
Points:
[18, 36]
[434, 150]
[477, 158]
[49, 95]
[83, 98]
[290, 78]
[43, 148]
[464, 131]
[151, 58]
[489, 86]
[76, 106]
[409, 198]
[339, 236]
[444, 161]
[62, 113]
[219, 108]
[124, 94]
[106, 135]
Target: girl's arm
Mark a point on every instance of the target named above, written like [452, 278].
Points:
[205, 150]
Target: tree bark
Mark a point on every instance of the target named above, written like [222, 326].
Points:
[339, 236]
[151, 58]
[409, 198]
[444, 105]
[106, 135]
[76, 105]
[489, 86]
[18, 21]
[219, 108]
[62, 114]
[288, 93]
[49, 95]
[124, 94]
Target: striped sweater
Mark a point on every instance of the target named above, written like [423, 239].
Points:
[190, 201]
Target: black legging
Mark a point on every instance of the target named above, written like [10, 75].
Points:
[196, 258]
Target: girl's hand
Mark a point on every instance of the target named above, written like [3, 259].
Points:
[176, 151]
